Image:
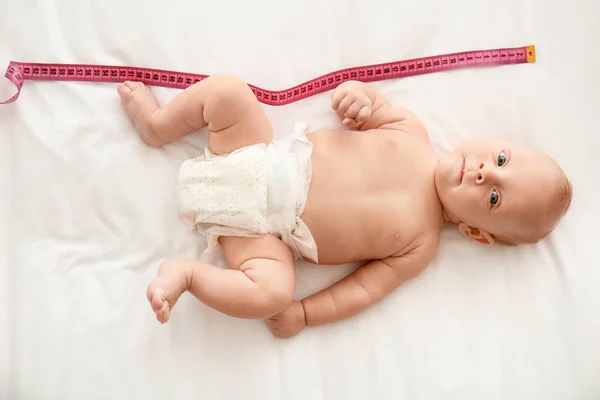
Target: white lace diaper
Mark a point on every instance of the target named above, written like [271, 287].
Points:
[256, 190]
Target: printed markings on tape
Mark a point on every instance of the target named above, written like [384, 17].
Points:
[18, 72]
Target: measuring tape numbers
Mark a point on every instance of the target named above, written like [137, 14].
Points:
[18, 72]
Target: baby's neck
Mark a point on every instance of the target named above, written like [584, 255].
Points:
[446, 216]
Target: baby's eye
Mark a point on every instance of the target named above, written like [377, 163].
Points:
[494, 197]
[501, 159]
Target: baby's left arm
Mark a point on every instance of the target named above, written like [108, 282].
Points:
[364, 287]
[361, 107]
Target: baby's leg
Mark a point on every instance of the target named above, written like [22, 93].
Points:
[225, 103]
[259, 284]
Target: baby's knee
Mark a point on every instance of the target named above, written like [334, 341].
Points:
[229, 102]
[274, 282]
[228, 87]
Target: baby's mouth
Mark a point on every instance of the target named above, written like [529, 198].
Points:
[462, 172]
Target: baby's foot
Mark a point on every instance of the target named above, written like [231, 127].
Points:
[140, 104]
[170, 283]
[160, 304]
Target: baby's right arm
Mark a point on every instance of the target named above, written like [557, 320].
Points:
[361, 107]
[367, 285]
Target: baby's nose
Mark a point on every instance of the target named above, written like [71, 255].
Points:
[480, 176]
[485, 173]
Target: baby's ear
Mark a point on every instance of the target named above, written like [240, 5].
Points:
[475, 233]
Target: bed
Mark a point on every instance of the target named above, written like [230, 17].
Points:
[88, 211]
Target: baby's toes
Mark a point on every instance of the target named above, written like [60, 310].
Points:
[134, 85]
[124, 91]
[163, 314]
[157, 299]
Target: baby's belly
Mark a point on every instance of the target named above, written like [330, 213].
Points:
[350, 231]
[341, 237]
[359, 202]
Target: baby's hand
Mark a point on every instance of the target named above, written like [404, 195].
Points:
[352, 103]
[289, 322]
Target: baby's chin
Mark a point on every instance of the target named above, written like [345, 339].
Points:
[440, 162]
[443, 170]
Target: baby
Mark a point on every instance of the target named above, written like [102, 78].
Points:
[374, 193]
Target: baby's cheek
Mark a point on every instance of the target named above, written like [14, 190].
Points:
[468, 203]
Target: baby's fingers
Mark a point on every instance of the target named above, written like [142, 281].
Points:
[337, 98]
[363, 114]
[345, 104]
[353, 109]
[350, 122]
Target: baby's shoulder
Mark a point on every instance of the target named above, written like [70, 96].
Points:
[424, 224]
[421, 250]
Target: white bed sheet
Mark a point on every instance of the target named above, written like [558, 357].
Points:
[88, 212]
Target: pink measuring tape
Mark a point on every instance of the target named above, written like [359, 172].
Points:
[18, 72]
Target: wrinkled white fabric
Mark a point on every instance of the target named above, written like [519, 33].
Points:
[252, 191]
[90, 212]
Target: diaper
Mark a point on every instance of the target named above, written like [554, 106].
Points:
[252, 191]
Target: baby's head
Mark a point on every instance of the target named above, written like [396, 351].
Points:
[501, 191]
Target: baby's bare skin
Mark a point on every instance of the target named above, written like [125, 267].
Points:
[374, 196]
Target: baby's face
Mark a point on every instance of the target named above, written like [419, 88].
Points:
[496, 186]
